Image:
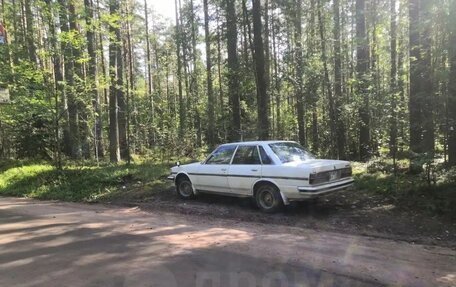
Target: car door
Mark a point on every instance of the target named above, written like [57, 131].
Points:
[244, 170]
[212, 175]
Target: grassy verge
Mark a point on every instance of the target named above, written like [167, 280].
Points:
[409, 191]
[143, 179]
[75, 183]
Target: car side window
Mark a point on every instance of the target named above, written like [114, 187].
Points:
[222, 155]
[246, 155]
[264, 156]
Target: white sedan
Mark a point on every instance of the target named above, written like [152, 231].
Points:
[274, 173]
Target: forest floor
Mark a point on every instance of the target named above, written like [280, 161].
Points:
[376, 207]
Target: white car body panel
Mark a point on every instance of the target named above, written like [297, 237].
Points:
[242, 177]
[292, 178]
[211, 178]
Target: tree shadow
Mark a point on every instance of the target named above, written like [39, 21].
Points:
[227, 205]
[121, 252]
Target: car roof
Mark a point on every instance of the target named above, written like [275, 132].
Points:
[255, 142]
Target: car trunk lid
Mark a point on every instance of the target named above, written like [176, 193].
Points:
[324, 170]
[320, 165]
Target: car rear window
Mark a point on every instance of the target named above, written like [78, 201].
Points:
[290, 152]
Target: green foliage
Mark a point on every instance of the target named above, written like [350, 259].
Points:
[409, 191]
[42, 94]
[29, 118]
[385, 165]
[76, 183]
[447, 176]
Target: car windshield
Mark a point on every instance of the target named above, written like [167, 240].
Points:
[290, 152]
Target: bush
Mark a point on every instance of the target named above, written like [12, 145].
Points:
[447, 176]
[386, 165]
[431, 191]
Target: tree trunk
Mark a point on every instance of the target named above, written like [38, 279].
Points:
[267, 56]
[279, 131]
[182, 111]
[78, 117]
[362, 67]
[393, 81]
[92, 78]
[340, 127]
[114, 87]
[452, 88]
[327, 82]
[402, 77]
[57, 78]
[151, 136]
[245, 35]
[73, 138]
[210, 89]
[30, 31]
[194, 80]
[219, 75]
[426, 83]
[299, 62]
[100, 46]
[415, 58]
[130, 103]
[121, 100]
[262, 93]
[61, 78]
[184, 38]
[233, 71]
[312, 85]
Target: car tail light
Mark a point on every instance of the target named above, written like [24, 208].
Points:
[346, 172]
[321, 177]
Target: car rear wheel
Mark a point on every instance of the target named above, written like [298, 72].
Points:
[268, 198]
[184, 188]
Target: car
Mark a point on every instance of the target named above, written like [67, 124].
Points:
[274, 173]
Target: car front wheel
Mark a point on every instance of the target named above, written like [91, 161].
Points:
[184, 188]
[268, 198]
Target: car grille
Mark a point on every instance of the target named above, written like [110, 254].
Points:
[330, 175]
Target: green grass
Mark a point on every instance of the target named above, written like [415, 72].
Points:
[409, 191]
[143, 179]
[76, 183]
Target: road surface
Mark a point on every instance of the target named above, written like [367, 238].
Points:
[66, 244]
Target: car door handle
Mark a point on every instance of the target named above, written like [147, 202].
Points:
[254, 169]
[223, 169]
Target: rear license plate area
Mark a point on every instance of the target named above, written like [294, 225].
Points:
[334, 175]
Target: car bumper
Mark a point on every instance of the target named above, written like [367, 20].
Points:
[171, 177]
[307, 192]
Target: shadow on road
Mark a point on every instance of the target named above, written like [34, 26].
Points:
[58, 249]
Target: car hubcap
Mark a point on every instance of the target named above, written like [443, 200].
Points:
[185, 188]
[267, 199]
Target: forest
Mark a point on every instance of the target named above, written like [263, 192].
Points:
[349, 79]
[371, 81]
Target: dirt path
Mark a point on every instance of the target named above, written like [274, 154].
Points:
[351, 212]
[55, 244]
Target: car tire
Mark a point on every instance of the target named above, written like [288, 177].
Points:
[184, 188]
[268, 198]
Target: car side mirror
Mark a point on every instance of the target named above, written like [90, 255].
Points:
[178, 163]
